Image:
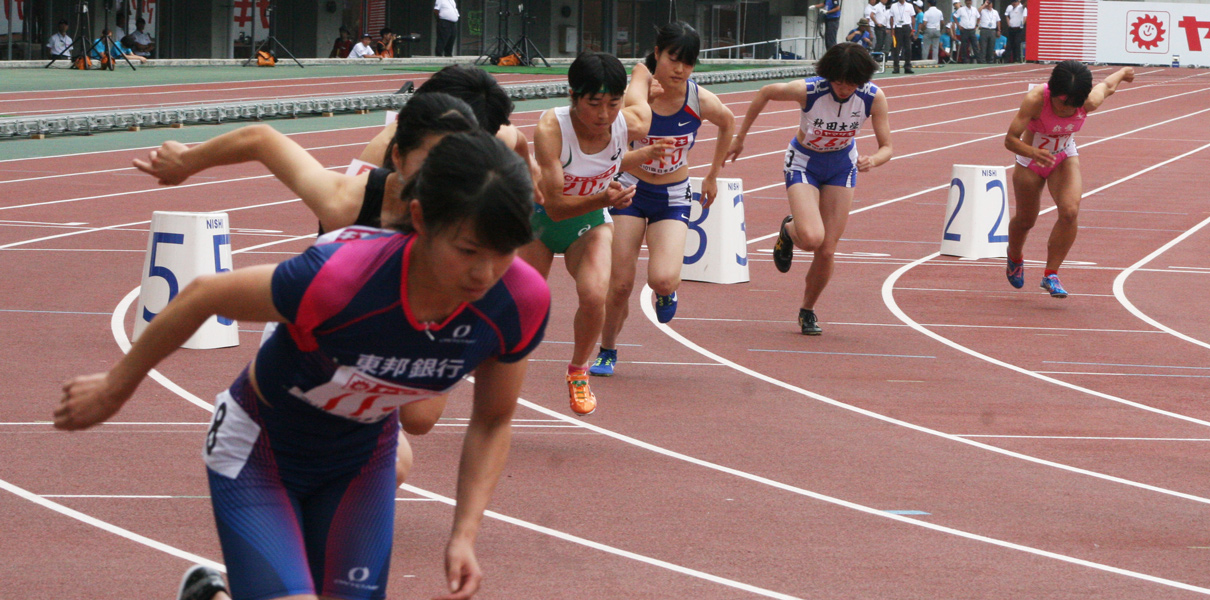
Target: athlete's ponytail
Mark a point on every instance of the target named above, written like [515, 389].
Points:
[474, 178]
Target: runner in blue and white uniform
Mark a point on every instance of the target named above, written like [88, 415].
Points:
[301, 448]
[822, 162]
[659, 168]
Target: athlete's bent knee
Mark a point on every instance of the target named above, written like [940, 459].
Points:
[664, 285]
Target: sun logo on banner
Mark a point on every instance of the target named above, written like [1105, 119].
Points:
[1147, 32]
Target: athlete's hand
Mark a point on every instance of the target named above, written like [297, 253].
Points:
[661, 149]
[461, 570]
[737, 147]
[88, 400]
[1128, 74]
[709, 191]
[1043, 158]
[617, 196]
[864, 163]
[654, 90]
[166, 164]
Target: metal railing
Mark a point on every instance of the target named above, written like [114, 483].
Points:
[801, 48]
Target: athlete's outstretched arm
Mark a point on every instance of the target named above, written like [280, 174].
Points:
[375, 152]
[1031, 108]
[716, 112]
[484, 452]
[335, 198]
[882, 133]
[243, 294]
[636, 105]
[795, 91]
[548, 142]
[1106, 88]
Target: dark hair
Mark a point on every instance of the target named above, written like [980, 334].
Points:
[848, 63]
[932, 2]
[426, 115]
[63, 22]
[596, 73]
[678, 38]
[477, 88]
[384, 31]
[1071, 78]
[140, 22]
[474, 178]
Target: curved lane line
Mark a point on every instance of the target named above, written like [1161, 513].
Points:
[1119, 287]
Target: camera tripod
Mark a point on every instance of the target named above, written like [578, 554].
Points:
[82, 34]
[501, 47]
[269, 41]
[525, 47]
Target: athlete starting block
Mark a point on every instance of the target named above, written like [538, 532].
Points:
[976, 216]
[716, 248]
[182, 247]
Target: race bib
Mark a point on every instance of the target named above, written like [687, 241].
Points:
[231, 437]
[364, 398]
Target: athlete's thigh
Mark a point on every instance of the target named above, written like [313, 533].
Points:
[538, 256]
[1027, 191]
[589, 258]
[804, 204]
[628, 233]
[665, 249]
[1066, 184]
[418, 418]
[348, 525]
[834, 205]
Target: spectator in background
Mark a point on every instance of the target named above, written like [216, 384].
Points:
[59, 44]
[930, 32]
[1015, 15]
[116, 49]
[385, 46]
[989, 30]
[861, 35]
[364, 48]
[967, 21]
[446, 12]
[119, 19]
[882, 27]
[903, 15]
[343, 45]
[140, 42]
[831, 21]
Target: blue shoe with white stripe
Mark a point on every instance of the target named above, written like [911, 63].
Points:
[1015, 273]
[603, 365]
[665, 307]
[1051, 284]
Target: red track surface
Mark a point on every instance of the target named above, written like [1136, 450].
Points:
[773, 468]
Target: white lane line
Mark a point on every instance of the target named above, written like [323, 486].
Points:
[635, 362]
[1119, 284]
[649, 311]
[1090, 438]
[605, 548]
[1125, 374]
[111, 528]
[125, 496]
[954, 325]
[1101, 364]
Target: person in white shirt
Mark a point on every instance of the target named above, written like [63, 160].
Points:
[989, 30]
[882, 27]
[931, 32]
[967, 21]
[903, 18]
[140, 42]
[1015, 14]
[59, 44]
[447, 26]
[363, 49]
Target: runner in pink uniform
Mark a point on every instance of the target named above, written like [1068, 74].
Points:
[1042, 135]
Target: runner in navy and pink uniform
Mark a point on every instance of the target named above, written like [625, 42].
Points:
[301, 448]
[1043, 137]
[659, 211]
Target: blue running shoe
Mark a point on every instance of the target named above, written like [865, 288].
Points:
[1052, 284]
[603, 365]
[1015, 273]
[665, 307]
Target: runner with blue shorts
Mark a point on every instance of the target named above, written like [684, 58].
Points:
[822, 162]
[659, 168]
[301, 449]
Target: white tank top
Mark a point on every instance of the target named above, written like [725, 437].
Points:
[588, 174]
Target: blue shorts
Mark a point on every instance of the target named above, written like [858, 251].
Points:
[656, 202]
[818, 169]
[300, 513]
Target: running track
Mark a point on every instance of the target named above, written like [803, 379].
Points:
[947, 437]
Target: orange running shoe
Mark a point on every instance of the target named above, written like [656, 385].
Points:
[583, 401]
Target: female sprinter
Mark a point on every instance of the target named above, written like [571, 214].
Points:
[301, 448]
[660, 208]
[579, 149]
[822, 162]
[1042, 137]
